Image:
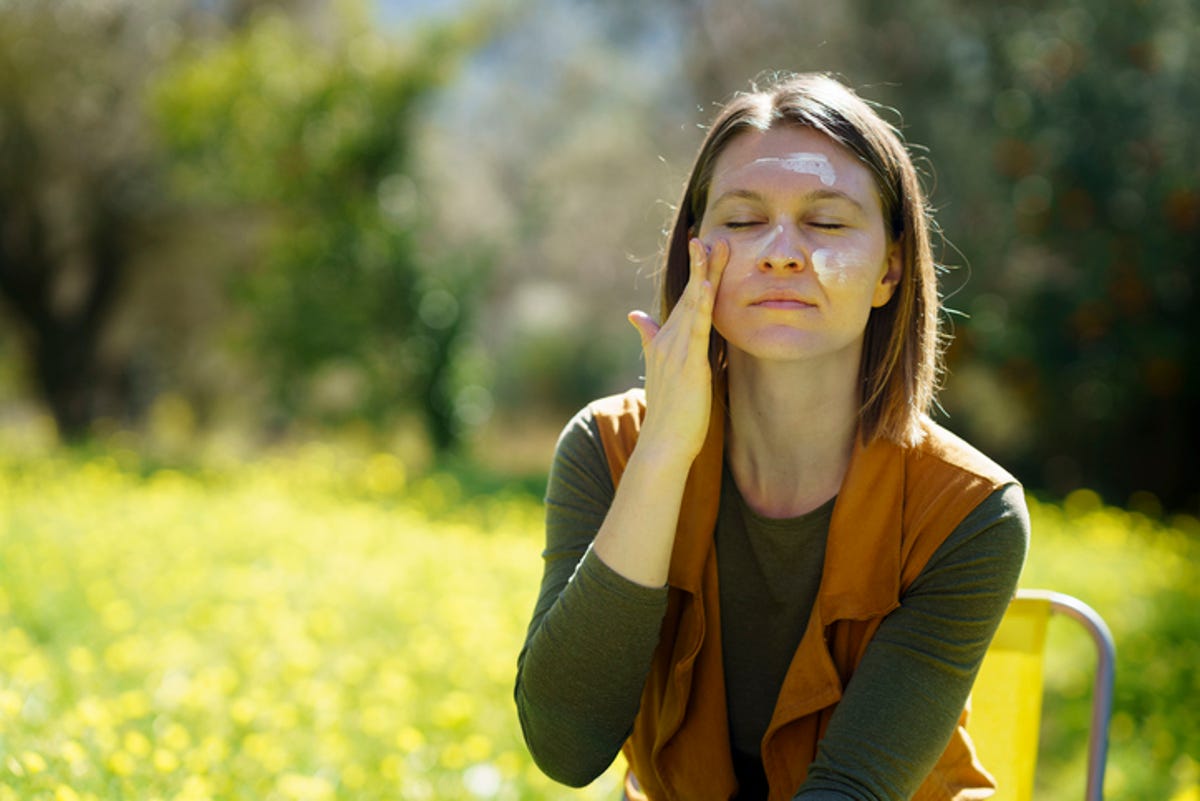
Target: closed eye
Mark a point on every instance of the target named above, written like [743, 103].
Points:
[828, 226]
[735, 224]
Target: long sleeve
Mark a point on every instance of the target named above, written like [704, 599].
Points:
[588, 648]
[904, 699]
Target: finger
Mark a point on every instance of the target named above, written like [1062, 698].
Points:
[698, 261]
[702, 321]
[644, 324]
[718, 260]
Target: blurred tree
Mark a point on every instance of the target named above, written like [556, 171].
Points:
[313, 136]
[288, 127]
[77, 190]
[1092, 130]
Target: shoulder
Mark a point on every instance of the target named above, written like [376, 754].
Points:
[578, 437]
[611, 412]
[945, 479]
[997, 529]
[601, 434]
[626, 408]
[618, 420]
[941, 451]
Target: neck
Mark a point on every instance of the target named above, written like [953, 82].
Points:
[791, 431]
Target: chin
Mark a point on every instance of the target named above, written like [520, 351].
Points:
[793, 345]
[789, 346]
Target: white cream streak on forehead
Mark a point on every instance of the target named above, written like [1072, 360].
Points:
[806, 163]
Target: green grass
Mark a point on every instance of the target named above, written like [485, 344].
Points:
[320, 625]
[1143, 576]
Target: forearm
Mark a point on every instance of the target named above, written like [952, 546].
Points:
[580, 678]
[638, 533]
[593, 631]
[905, 697]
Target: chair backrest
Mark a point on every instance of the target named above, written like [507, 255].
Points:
[1006, 702]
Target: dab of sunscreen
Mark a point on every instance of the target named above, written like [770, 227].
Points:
[806, 164]
[830, 267]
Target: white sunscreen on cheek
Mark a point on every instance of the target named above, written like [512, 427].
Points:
[830, 267]
[806, 164]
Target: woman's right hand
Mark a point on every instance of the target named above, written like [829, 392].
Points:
[678, 374]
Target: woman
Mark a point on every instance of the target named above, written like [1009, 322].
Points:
[772, 575]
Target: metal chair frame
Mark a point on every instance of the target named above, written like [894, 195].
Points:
[1102, 691]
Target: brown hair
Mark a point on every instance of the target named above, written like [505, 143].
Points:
[901, 348]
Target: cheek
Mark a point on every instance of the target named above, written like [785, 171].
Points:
[727, 305]
[722, 307]
[844, 268]
[830, 266]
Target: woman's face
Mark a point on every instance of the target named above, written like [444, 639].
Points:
[809, 254]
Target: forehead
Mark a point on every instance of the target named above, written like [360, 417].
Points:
[790, 154]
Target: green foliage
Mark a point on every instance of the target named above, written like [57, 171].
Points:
[1068, 173]
[313, 137]
[1143, 577]
[320, 624]
[81, 195]
[1102, 166]
[564, 370]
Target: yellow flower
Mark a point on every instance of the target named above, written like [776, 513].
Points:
[242, 711]
[384, 474]
[409, 739]
[133, 704]
[80, 660]
[354, 777]
[137, 744]
[304, 788]
[120, 763]
[117, 615]
[452, 757]
[92, 712]
[454, 710]
[176, 737]
[10, 704]
[391, 767]
[195, 788]
[34, 762]
[73, 753]
[477, 747]
[65, 793]
[165, 760]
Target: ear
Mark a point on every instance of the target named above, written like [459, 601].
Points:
[890, 279]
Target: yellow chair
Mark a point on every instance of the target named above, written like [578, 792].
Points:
[1006, 702]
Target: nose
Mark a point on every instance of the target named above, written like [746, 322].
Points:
[782, 251]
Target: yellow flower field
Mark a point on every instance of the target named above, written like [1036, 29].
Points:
[300, 628]
[321, 626]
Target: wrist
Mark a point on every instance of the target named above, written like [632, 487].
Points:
[664, 458]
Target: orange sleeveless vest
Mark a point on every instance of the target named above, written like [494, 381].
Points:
[895, 504]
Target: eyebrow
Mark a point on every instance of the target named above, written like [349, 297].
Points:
[813, 195]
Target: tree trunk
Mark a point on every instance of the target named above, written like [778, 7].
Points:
[63, 343]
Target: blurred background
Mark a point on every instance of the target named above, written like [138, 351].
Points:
[296, 295]
[428, 219]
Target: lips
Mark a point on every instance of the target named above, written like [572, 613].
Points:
[782, 299]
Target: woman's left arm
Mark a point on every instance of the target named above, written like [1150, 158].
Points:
[904, 700]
